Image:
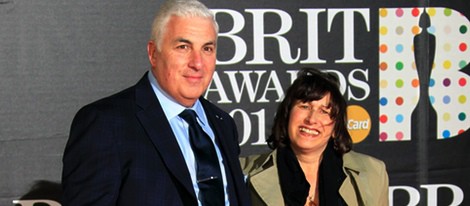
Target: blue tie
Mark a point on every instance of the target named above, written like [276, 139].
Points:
[209, 178]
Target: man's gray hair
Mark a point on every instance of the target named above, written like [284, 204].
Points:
[181, 8]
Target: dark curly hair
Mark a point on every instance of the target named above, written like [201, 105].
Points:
[311, 85]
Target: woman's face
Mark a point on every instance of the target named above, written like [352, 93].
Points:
[310, 125]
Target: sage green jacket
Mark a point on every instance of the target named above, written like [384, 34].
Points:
[368, 173]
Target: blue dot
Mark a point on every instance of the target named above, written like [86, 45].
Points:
[432, 29]
[383, 101]
[431, 99]
[432, 82]
[399, 48]
[446, 99]
[446, 133]
[399, 118]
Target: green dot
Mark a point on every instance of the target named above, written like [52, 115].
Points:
[447, 11]
[399, 83]
[462, 64]
[462, 116]
[399, 66]
[463, 29]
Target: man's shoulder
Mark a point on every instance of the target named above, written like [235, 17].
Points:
[114, 99]
[120, 101]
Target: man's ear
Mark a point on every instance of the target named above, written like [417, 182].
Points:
[152, 53]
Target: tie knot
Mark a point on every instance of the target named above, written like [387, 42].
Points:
[189, 116]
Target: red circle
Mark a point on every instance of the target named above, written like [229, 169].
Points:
[399, 101]
[383, 136]
[415, 12]
[463, 47]
[383, 118]
[462, 82]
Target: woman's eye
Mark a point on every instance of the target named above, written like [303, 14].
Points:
[304, 106]
[323, 111]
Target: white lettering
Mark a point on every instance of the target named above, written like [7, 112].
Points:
[358, 84]
[246, 83]
[261, 127]
[432, 193]
[219, 89]
[348, 33]
[32, 202]
[274, 79]
[246, 125]
[239, 43]
[412, 192]
[358, 125]
[259, 36]
[312, 36]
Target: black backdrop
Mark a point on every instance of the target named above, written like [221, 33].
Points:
[56, 56]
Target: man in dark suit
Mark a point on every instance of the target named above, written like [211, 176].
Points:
[133, 148]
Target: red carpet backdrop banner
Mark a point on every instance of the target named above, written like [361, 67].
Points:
[403, 67]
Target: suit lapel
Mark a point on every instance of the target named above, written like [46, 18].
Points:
[219, 127]
[159, 131]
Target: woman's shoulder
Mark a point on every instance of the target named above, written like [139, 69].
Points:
[359, 161]
[257, 161]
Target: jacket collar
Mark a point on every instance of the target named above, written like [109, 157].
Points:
[266, 182]
[354, 170]
[153, 120]
[269, 189]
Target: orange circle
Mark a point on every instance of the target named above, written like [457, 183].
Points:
[415, 83]
[415, 30]
[383, 48]
[359, 123]
[383, 66]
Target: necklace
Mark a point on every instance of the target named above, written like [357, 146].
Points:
[311, 201]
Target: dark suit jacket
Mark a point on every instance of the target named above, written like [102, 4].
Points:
[122, 151]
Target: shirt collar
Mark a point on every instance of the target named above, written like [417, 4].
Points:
[170, 107]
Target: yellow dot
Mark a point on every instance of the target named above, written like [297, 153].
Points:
[462, 99]
[383, 30]
[447, 64]
[446, 117]
[383, 84]
[447, 47]
[383, 12]
[431, 11]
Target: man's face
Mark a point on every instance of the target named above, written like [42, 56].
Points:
[186, 62]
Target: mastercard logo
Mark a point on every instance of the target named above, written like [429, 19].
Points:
[359, 123]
